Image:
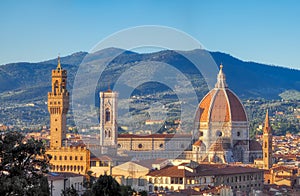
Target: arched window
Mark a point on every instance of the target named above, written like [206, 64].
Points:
[109, 134]
[55, 157]
[129, 181]
[141, 181]
[107, 115]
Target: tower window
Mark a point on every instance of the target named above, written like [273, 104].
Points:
[219, 133]
[140, 145]
[238, 134]
[107, 115]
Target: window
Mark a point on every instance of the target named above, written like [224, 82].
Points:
[60, 158]
[55, 158]
[107, 115]
[141, 182]
[66, 158]
[140, 146]
[93, 163]
[81, 158]
[238, 134]
[70, 158]
[161, 145]
[150, 180]
[128, 181]
[75, 158]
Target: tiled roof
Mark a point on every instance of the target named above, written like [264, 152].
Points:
[221, 105]
[203, 170]
[154, 136]
[171, 171]
[198, 143]
[219, 145]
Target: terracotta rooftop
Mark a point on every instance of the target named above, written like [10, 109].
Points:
[221, 104]
[203, 170]
[198, 143]
[171, 171]
[155, 136]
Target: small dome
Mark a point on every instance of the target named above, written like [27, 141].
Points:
[221, 104]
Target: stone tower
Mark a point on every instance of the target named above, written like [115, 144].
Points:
[267, 144]
[58, 105]
[108, 118]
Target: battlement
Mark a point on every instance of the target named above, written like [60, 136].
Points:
[59, 72]
[58, 95]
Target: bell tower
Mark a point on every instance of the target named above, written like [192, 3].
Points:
[58, 105]
[267, 143]
[108, 118]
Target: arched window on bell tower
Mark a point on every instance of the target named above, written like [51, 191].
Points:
[107, 115]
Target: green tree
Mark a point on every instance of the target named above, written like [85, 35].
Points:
[106, 186]
[22, 166]
[71, 191]
[127, 191]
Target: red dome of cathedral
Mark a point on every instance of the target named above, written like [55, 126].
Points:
[221, 104]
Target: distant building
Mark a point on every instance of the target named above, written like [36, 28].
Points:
[59, 182]
[190, 175]
[65, 158]
[223, 127]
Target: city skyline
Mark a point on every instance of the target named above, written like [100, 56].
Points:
[264, 32]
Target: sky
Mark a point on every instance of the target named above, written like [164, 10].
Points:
[265, 31]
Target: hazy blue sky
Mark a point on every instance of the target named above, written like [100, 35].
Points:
[261, 31]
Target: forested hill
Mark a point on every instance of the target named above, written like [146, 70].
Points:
[27, 82]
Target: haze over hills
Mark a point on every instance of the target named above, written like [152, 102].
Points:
[246, 79]
[23, 83]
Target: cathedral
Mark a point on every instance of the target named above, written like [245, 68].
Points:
[222, 126]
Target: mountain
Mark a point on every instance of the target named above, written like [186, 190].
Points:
[246, 79]
[29, 82]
